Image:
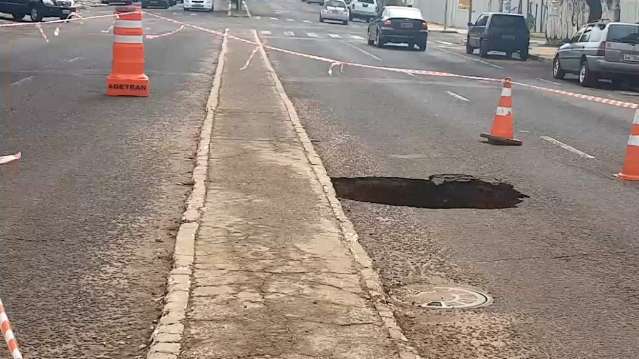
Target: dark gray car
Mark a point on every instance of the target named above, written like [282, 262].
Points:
[600, 50]
[499, 32]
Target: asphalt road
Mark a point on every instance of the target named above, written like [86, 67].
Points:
[88, 215]
[560, 267]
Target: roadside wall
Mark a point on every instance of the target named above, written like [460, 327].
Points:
[557, 19]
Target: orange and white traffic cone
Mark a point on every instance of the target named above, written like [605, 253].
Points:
[502, 131]
[127, 76]
[630, 171]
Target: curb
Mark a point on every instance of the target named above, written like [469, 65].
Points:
[167, 336]
[369, 277]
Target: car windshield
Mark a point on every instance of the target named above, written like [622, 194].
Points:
[628, 34]
[405, 12]
[335, 3]
[507, 21]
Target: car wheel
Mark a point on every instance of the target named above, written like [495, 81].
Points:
[321, 19]
[379, 40]
[350, 16]
[411, 46]
[469, 49]
[35, 14]
[523, 54]
[557, 71]
[483, 49]
[345, 22]
[586, 78]
[18, 16]
[422, 46]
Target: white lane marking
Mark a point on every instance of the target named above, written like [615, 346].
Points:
[107, 30]
[334, 36]
[566, 147]
[363, 51]
[289, 33]
[74, 59]
[289, 19]
[21, 81]
[458, 96]
[356, 37]
[548, 81]
[274, 18]
[445, 42]
[489, 64]
[248, 12]
[311, 34]
[265, 32]
[307, 21]
[258, 17]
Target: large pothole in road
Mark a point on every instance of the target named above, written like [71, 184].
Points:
[437, 192]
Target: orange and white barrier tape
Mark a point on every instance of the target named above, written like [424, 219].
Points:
[10, 158]
[9, 338]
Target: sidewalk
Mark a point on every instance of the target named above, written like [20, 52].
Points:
[274, 275]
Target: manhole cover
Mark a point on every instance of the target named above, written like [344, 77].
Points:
[442, 297]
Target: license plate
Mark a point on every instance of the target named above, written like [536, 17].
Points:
[198, 5]
[66, 12]
[508, 37]
[633, 58]
[406, 25]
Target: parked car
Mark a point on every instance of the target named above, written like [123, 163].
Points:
[334, 10]
[600, 50]
[499, 32]
[399, 24]
[363, 9]
[206, 5]
[165, 4]
[37, 9]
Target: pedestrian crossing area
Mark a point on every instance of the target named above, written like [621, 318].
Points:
[287, 19]
[311, 35]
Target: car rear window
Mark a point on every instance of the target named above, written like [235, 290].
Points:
[507, 21]
[626, 33]
[334, 3]
[406, 12]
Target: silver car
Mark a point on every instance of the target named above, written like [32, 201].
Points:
[607, 50]
[334, 10]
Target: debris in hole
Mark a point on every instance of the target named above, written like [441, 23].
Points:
[437, 192]
[441, 297]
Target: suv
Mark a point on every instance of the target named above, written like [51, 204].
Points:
[499, 32]
[37, 9]
[364, 9]
[600, 50]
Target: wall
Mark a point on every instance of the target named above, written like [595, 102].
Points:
[557, 19]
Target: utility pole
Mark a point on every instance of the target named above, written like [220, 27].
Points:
[445, 15]
[470, 11]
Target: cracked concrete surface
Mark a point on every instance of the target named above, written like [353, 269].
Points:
[272, 276]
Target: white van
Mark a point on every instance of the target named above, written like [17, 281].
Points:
[205, 5]
[363, 9]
